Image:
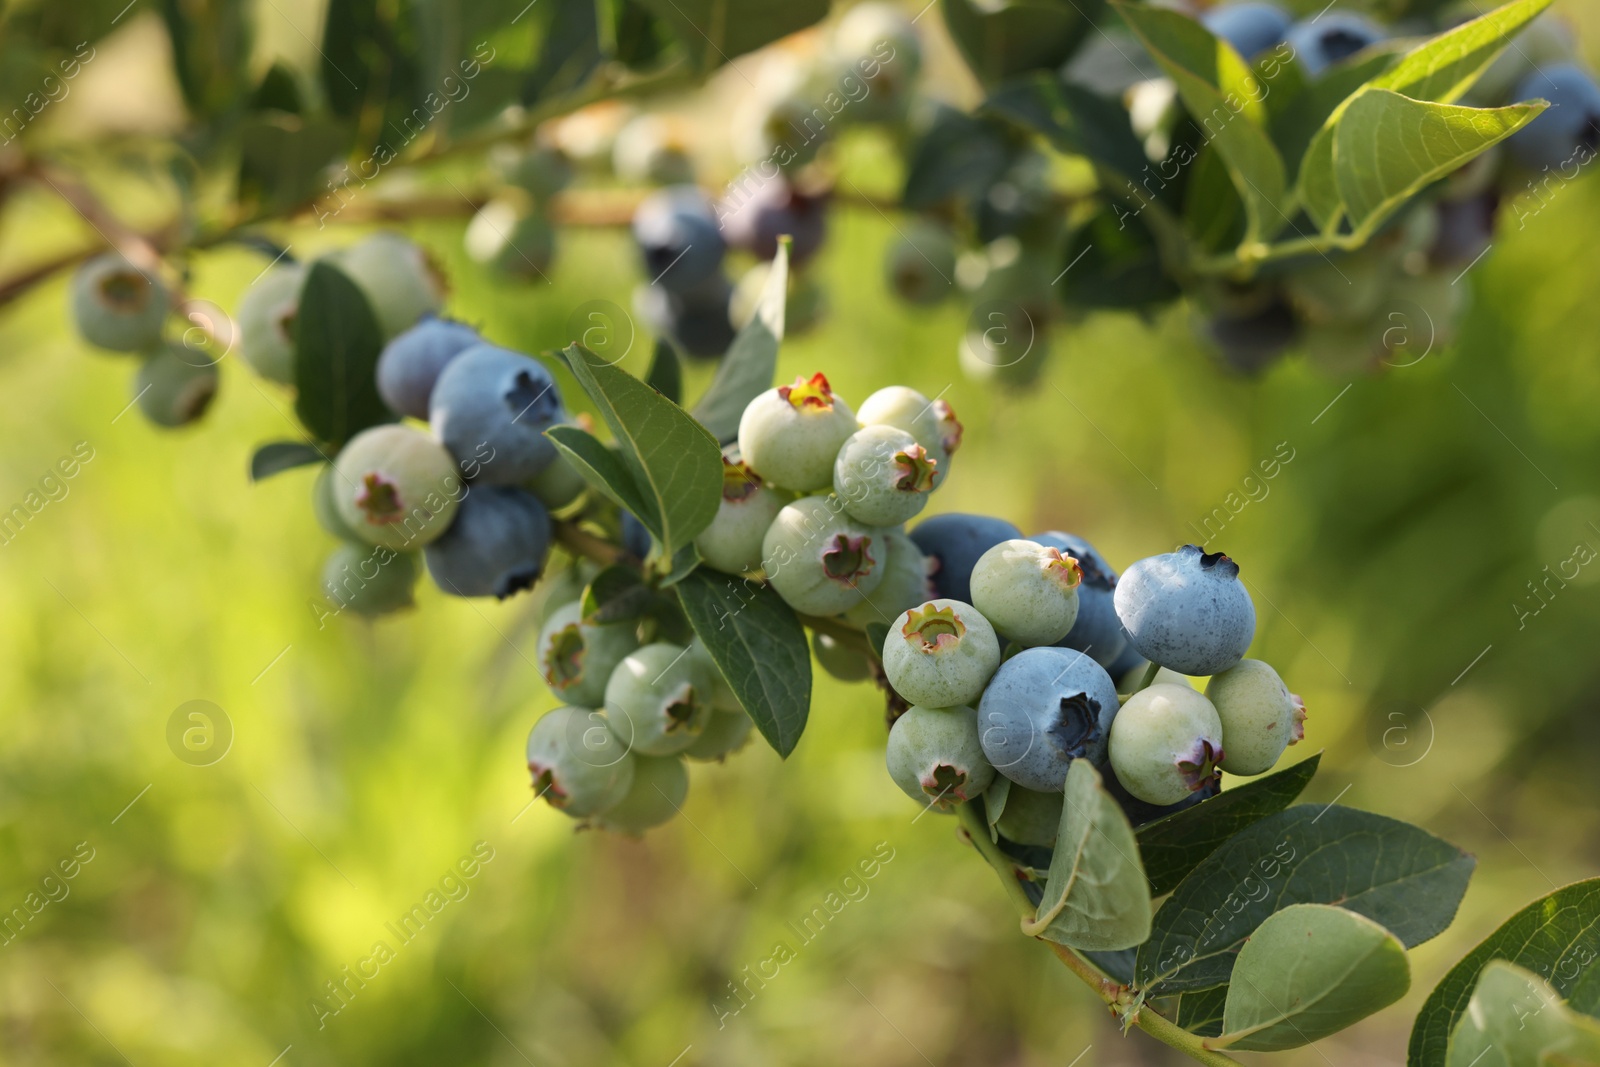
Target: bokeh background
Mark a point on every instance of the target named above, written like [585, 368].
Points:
[1393, 559]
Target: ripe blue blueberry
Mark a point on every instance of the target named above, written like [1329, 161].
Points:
[1260, 717]
[905, 583]
[1031, 817]
[1166, 743]
[1187, 610]
[1096, 631]
[1028, 592]
[754, 222]
[175, 385]
[1251, 27]
[845, 662]
[576, 658]
[369, 580]
[732, 543]
[266, 321]
[658, 699]
[920, 267]
[635, 537]
[395, 277]
[1466, 227]
[577, 764]
[1251, 342]
[677, 233]
[660, 784]
[411, 364]
[1568, 127]
[932, 422]
[1044, 708]
[118, 306]
[792, 434]
[883, 475]
[395, 486]
[940, 654]
[935, 757]
[495, 547]
[953, 542]
[695, 319]
[491, 408]
[1335, 36]
[821, 561]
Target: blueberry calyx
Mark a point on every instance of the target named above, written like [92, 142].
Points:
[917, 470]
[934, 627]
[379, 498]
[848, 558]
[815, 393]
[517, 580]
[1202, 767]
[1076, 725]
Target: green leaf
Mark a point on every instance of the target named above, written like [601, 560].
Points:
[1173, 846]
[684, 561]
[715, 32]
[666, 373]
[568, 52]
[1223, 98]
[1309, 971]
[1399, 876]
[615, 594]
[1297, 125]
[1515, 1019]
[675, 463]
[751, 361]
[1200, 1012]
[1002, 40]
[994, 803]
[602, 469]
[956, 157]
[759, 645]
[275, 457]
[337, 342]
[1388, 147]
[1446, 66]
[1556, 937]
[1075, 121]
[1095, 896]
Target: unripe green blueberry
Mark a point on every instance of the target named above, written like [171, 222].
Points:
[370, 580]
[266, 321]
[932, 422]
[118, 306]
[921, 265]
[732, 543]
[1166, 742]
[325, 506]
[576, 658]
[396, 486]
[660, 784]
[884, 476]
[1342, 290]
[804, 305]
[1029, 593]
[821, 561]
[577, 763]
[726, 732]
[940, 654]
[175, 385]
[1030, 817]
[934, 756]
[508, 238]
[1260, 717]
[844, 662]
[722, 696]
[791, 434]
[395, 277]
[658, 699]
[558, 485]
[907, 581]
[1010, 347]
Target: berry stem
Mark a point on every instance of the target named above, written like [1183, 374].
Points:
[581, 542]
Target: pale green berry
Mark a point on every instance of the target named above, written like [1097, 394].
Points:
[576, 658]
[934, 756]
[577, 763]
[325, 506]
[506, 237]
[370, 580]
[732, 543]
[396, 486]
[932, 422]
[558, 485]
[175, 385]
[660, 784]
[726, 732]
[820, 561]
[118, 306]
[395, 277]
[906, 582]
[791, 434]
[1260, 717]
[940, 654]
[845, 662]
[266, 321]
[1028, 592]
[722, 696]
[1030, 817]
[1166, 743]
[884, 476]
[658, 699]
[1347, 289]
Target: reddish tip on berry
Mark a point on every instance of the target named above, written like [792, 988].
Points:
[848, 558]
[1203, 767]
[1063, 568]
[544, 785]
[1297, 719]
[949, 426]
[917, 471]
[933, 626]
[803, 394]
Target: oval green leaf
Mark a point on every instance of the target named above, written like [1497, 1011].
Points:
[1515, 1019]
[337, 341]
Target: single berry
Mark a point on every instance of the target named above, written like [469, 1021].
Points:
[821, 561]
[658, 699]
[118, 306]
[940, 654]
[175, 385]
[496, 547]
[1187, 610]
[511, 240]
[1140, 812]
[1466, 227]
[732, 543]
[540, 171]
[778, 125]
[805, 301]
[877, 43]
[325, 506]
[934, 756]
[920, 267]
[396, 486]
[635, 537]
[491, 408]
[844, 662]
[1028, 592]
[266, 321]
[1008, 343]
[726, 732]
[1570, 126]
[578, 765]
[1249, 343]
[370, 580]
[1342, 288]
[654, 150]
[1330, 38]
[753, 221]
[396, 278]
[905, 583]
[1096, 632]
[953, 542]
[792, 434]
[1260, 717]
[677, 233]
[696, 320]
[883, 475]
[660, 784]
[932, 422]
[1166, 743]
[1031, 817]
[1251, 27]
[1044, 708]
[411, 364]
[576, 658]
[558, 485]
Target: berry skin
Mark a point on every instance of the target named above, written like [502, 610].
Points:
[791, 435]
[660, 784]
[884, 476]
[940, 654]
[1260, 717]
[325, 506]
[175, 385]
[905, 583]
[754, 223]
[1139, 812]
[920, 267]
[491, 408]
[1044, 708]
[932, 422]
[540, 171]
[732, 543]
[510, 240]
[953, 542]
[658, 700]
[558, 485]
[1031, 817]
[496, 547]
[395, 277]
[1568, 126]
[577, 764]
[635, 537]
[878, 43]
[1096, 632]
[1028, 592]
[696, 320]
[1166, 743]
[1250, 27]
[396, 487]
[1187, 610]
[934, 756]
[410, 365]
[370, 580]
[840, 660]
[1336, 36]
[118, 306]
[677, 233]
[726, 732]
[821, 561]
[266, 322]
[576, 658]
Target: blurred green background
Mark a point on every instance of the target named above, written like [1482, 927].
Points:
[1391, 559]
